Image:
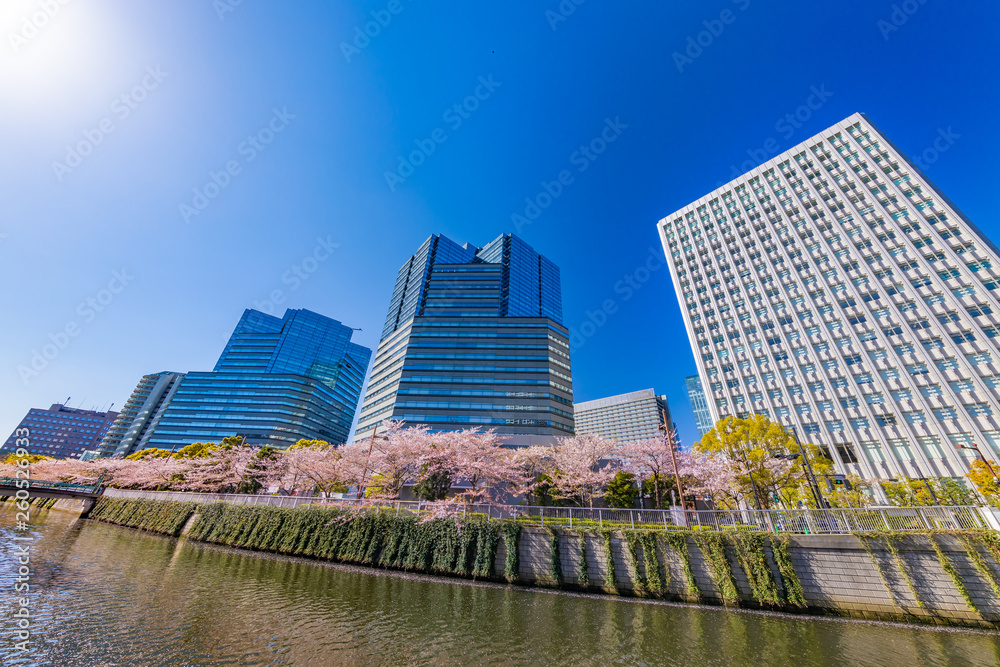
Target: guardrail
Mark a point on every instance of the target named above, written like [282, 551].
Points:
[802, 521]
[54, 486]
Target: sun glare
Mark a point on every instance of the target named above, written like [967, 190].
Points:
[51, 53]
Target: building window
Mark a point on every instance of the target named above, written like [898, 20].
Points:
[979, 410]
[873, 450]
[945, 414]
[885, 420]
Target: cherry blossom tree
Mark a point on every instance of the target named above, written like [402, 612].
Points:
[394, 458]
[312, 465]
[582, 466]
[715, 476]
[222, 470]
[479, 459]
[530, 467]
[651, 459]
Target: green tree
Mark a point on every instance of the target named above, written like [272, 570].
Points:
[622, 490]
[753, 444]
[985, 482]
[929, 492]
[432, 485]
[13, 458]
[195, 450]
[150, 453]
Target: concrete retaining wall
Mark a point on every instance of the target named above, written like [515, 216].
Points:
[836, 573]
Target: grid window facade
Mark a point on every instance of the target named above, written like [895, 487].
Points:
[839, 260]
[625, 418]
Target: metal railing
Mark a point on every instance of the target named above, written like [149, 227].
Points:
[802, 521]
[52, 486]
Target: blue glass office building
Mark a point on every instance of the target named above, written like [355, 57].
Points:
[696, 394]
[474, 338]
[278, 380]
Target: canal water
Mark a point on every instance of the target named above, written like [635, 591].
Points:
[105, 595]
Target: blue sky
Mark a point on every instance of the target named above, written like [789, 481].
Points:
[290, 121]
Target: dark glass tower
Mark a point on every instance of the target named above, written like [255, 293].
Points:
[278, 380]
[474, 338]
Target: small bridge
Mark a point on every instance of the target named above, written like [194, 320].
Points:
[89, 493]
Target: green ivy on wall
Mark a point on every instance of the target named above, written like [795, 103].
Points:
[655, 579]
[511, 532]
[632, 550]
[555, 561]
[751, 556]
[583, 576]
[952, 572]
[607, 536]
[678, 541]
[158, 516]
[713, 546]
[789, 578]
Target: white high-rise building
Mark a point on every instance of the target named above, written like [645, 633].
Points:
[835, 289]
[637, 415]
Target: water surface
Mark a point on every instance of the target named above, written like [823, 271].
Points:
[105, 595]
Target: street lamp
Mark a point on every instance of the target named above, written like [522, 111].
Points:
[817, 494]
[975, 447]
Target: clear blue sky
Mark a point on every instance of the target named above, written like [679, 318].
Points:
[199, 78]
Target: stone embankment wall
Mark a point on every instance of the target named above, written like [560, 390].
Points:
[837, 574]
[940, 578]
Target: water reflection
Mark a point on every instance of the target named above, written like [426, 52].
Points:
[109, 595]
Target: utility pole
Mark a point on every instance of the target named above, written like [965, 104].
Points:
[673, 458]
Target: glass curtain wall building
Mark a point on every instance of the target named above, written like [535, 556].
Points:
[278, 380]
[629, 417]
[141, 414]
[696, 394]
[836, 290]
[474, 338]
